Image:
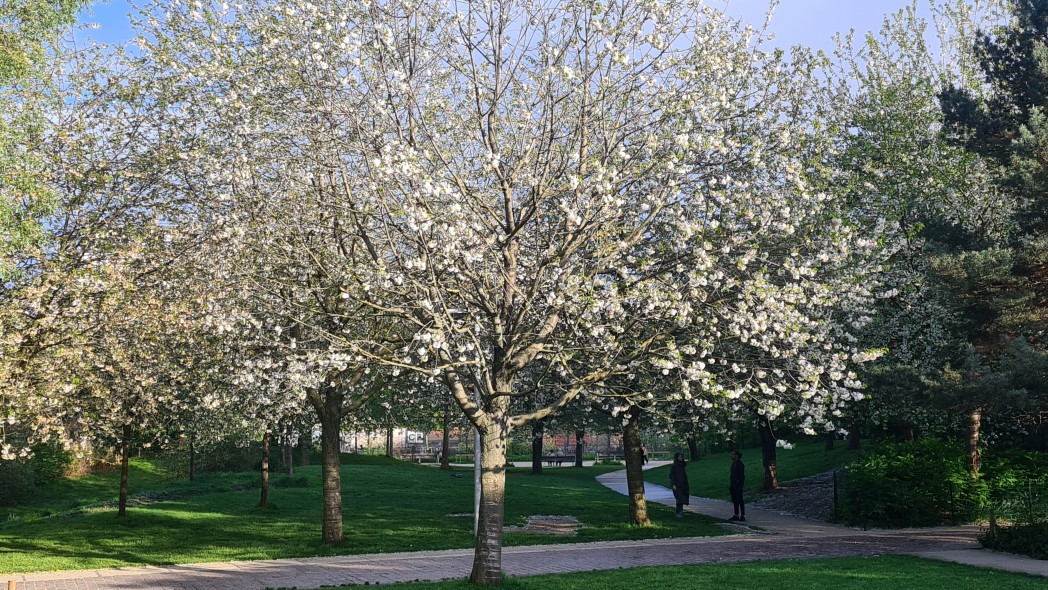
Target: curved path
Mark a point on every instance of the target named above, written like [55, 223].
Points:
[769, 534]
[779, 537]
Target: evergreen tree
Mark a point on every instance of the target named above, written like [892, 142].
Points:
[998, 293]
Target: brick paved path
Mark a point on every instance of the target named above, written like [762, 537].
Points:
[517, 561]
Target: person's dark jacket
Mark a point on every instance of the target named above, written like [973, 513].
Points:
[679, 481]
[737, 477]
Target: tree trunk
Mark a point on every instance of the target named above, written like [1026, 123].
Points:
[538, 433]
[906, 432]
[305, 453]
[263, 499]
[853, 438]
[831, 437]
[487, 557]
[445, 441]
[631, 450]
[580, 446]
[330, 437]
[973, 441]
[389, 441]
[693, 447]
[768, 439]
[287, 454]
[125, 463]
[192, 458]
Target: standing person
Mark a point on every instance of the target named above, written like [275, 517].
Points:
[644, 455]
[736, 481]
[679, 482]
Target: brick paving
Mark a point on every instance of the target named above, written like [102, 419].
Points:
[779, 536]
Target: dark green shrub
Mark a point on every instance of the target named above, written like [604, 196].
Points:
[519, 450]
[17, 482]
[1018, 507]
[1026, 539]
[922, 483]
[50, 462]
[1009, 472]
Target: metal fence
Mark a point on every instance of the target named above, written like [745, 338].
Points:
[1026, 504]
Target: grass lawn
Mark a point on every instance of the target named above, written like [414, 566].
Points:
[842, 573]
[388, 506]
[708, 476]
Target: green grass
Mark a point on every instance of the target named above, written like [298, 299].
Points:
[708, 476]
[842, 573]
[145, 477]
[388, 506]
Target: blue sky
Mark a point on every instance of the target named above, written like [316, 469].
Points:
[796, 22]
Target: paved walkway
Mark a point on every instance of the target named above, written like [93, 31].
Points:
[780, 537]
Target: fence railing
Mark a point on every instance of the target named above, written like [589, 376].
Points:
[1026, 504]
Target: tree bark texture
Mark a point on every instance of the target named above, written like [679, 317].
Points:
[631, 449]
[305, 453]
[538, 433]
[768, 449]
[263, 498]
[445, 441]
[487, 557]
[192, 459]
[287, 454]
[330, 437]
[389, 441]
[974, 455]
[580, 446]
[125, 462]
[853, 438]
[693, 448]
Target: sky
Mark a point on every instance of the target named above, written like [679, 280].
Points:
[795, 22]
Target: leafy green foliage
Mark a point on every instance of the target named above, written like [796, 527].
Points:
[922, 483]
[17, 482]
[1018, 483]
[1009, 472]
[50, 462]
[1025, 539]
[24, 26]
[998, 294]
[20, 478]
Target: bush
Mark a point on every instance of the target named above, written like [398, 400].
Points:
[1010, 473]
[51, 462]
[923, 483]
[17, 482]
[1018, 508]
[1026, 539]
[520, 450]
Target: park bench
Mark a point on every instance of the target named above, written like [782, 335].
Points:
[558, 460]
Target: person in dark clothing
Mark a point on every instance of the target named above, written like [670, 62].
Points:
[736, 481]
[679, 483]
